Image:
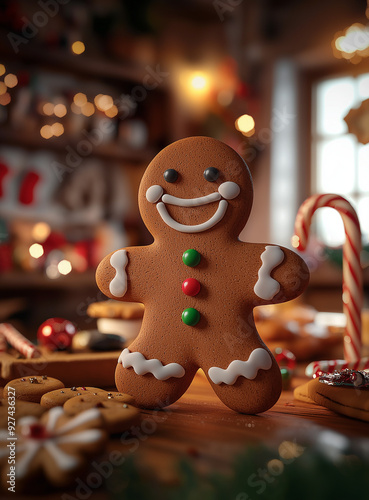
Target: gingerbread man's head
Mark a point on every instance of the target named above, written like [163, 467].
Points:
[194, 186]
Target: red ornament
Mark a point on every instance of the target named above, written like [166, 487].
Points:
[56, 334]
[191, 287]
[285, 358]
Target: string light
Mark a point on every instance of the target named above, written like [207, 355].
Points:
[11, 80]
[36, 250]
[245, 124]
[88, 109]
[41, 231]
[46, 132]
[80, 99]
[199, 82]
[3, 88]
[48, 108]
[5, 99]
[60, 110]
[78, 47]
[111, 112]
[104, 102]
[57, 129]
[64, 267]
[352, 44]
[2, 69]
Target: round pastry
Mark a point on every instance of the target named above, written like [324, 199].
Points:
[119, 318]
[60, 396]
[199, 283]
[55, 447]
[118, 415]
[32, 388]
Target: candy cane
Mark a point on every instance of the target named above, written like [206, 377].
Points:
[18, 341]
[352, 286]
[332, 365]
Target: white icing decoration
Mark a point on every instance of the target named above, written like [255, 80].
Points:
[29, 446]
[229, 190]
[266, 287]
[23, 463]
[63, 460]
[259, 360]
[141, 366]
[154, 193]
[191, 202]
[118, 285]
[218, 216]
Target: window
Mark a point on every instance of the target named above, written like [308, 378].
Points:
[340, 162]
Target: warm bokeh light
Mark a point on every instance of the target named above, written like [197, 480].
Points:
[88, 109]
[46, 132]
[78, 47]
[64, 267]
[199, 81]
[103, 102]
[112, 112]
[352, 44]
[11, 80]
[5, 99]
[41, 231]
[250, 133]
[295, 241]
[48, 108]
[225, 97]
[60, 110]
[2, 69]
[57, 129]
[75, 109]
[47, 330]
[3, 88]
[245, 124]
[36, 250]
[80, 99]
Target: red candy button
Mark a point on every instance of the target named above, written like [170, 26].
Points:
[191, 287]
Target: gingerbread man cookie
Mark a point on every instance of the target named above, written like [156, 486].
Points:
[199, 283]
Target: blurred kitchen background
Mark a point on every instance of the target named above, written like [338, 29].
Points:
[90, 91]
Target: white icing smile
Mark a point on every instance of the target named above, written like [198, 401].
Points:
[226, 191]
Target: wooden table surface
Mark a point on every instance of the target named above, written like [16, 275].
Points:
[200, 428]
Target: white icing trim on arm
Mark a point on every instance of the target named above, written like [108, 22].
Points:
[141, 366]
[218, 216]
[190, 202]
[266, 287]
[118, 285]
[259, 359]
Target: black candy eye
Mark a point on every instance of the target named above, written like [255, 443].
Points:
[211, 174]
[171, 175]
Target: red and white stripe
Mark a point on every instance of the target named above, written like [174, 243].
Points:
[18, 341]
[352, 286]
[332, 365]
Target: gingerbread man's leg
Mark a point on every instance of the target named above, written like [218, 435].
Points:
[247, 381]
[154, 380]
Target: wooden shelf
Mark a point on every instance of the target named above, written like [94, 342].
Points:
[108, 151]
[19, 280]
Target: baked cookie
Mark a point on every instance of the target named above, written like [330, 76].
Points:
[118, 416]
[302, 393]
[32, 388]
[55, 447]
[18, 410]
[119, 318]
[199, 283]
[350, 401]
[60, 396]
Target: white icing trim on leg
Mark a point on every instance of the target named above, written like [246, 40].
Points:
[141, 366]
[259, 360]
[266, 287]
[118, 285]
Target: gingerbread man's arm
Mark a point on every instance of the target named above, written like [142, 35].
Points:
[119, 274]
[282, 275]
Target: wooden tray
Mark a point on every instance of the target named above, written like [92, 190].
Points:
[73, 369]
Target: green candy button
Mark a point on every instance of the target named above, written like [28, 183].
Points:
[191, 257]
[190, 316]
